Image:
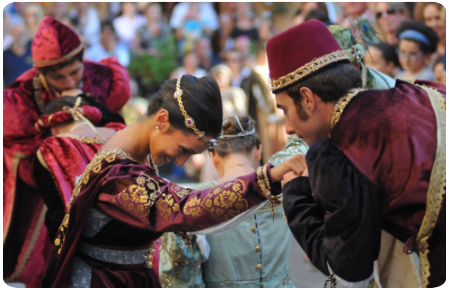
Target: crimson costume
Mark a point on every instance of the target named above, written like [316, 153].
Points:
[24, 236]
[120, 206]
[382, 167]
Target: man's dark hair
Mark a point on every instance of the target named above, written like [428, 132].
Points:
[388, 52]
[201, 99]
[330, 85]
[52, 68]
[318, 14]
[109, 24]
[424, 29]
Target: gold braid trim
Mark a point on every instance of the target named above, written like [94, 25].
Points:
[307, 69]
[61, 59]
[437, 185]
[341, 105]
[263, 181]
[87, 140]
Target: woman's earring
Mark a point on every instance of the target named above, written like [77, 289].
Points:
[157, 127]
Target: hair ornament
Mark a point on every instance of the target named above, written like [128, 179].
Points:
[188, 121]
[240, 134]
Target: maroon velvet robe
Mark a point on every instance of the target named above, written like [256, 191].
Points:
[23, 235]
[142, 206]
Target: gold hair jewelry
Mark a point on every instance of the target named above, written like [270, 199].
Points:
[189, 122]
[77, 114]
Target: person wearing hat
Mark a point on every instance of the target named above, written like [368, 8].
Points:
[59, 70]
[376, 159]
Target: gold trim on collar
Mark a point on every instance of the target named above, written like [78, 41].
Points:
[74, 52]
[341, 105]
[307, 69]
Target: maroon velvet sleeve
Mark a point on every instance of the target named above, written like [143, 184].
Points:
[146, 201]
[119, 90]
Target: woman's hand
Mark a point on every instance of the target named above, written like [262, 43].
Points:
[297, 164]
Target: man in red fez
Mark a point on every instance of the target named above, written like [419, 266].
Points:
[376, 160]
[59, 70]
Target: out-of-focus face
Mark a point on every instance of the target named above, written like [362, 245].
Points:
[234, 61]
[439, 75]
[129, 9]
[191, 62]
[354, 8]
[222, 80]
[243, 44]
[411, 57]
[375, 60]
[175, 146]
[67, 77]
[30, 16]
[390, 17]
[432, 18]
[154, 12]
[203, 48]
[18, 33]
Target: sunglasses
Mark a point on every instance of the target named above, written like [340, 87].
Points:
[391, 11]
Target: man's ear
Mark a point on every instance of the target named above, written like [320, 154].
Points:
[161, 121]
[215, 159]
[308, 98]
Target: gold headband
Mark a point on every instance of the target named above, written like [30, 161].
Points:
[189, 122]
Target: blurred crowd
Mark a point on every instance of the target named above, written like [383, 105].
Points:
[156, 41]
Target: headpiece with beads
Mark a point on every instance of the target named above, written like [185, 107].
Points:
[189, 122]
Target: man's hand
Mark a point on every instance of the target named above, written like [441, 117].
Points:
[296, 164]
[291, 175]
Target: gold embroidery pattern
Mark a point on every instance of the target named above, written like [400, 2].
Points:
[263, 181]
[94, 164]
[166, 206]
[341, 105]
[308, 68]
[135, 199]
[225, 202]
[437, 186]
[180, 191]
[122, 183]
[87, 140]
[192, 207]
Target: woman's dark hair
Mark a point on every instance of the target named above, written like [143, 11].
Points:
[330, 85]
[388, 52]
[243, 144]
[201, 99]
[423, 29]
[58, 104]
[52, 68]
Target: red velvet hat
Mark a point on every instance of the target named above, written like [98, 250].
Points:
[54, 43]
[301, 52]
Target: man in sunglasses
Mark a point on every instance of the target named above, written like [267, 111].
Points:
[389, 16]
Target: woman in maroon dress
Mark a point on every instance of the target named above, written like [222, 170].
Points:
[120, 205]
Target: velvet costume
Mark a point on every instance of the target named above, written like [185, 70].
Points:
[373, 173]
[142, 206]
[23, 207]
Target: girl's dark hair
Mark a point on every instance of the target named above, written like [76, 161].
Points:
[424, 29]
[201, 99]
[58, 104]
[242, 144]
[388, 52]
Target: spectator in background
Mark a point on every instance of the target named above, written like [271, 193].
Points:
[127, 23]
[245, 22]
[86, 22]
[319, 14]
[59, 10]
[353, 10]
[382, 57]
[234, 60]
[432, 14]
[438, 70]
[109, 46]
[244, 45]
[305, 8]
[234, 98]
[17, 58]
[206, 15]
[205, 53]
[389, 16]
[417, 42]
[190, 66]
[155, 34]
[33, 15]
[191, 29]
[5, 38]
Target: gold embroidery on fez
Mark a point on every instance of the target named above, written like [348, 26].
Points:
[226, 201]
[134, 198]
[166, 205]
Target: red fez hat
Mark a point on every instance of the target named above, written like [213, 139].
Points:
[54, 43]
[301, 52]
